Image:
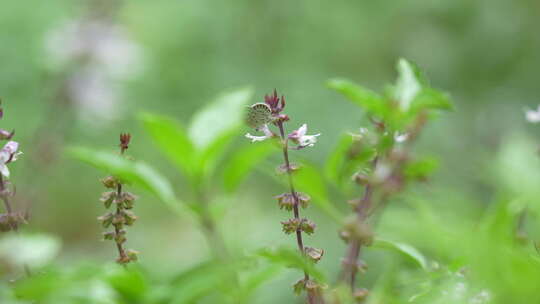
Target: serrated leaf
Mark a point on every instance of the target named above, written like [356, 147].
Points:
[243, 161]
[404, 249]
[172, 139]
[368, 100]
[219, 117]
[137, 172]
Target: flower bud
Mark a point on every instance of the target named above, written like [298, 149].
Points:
[107, 198]
[315, 254]
[133, 255]
[290, 226]
[282, 169]
[106, 220]
[129, 217]
[360, 294]
[6, 135]
[285, 200]
[108, 236]
[307, 226]
[110, 182]
[303, 199]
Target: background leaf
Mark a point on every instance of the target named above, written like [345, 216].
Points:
[34, 250]
[136, 172]
[172, 139]
[243, 161]
[217, 118]
[404, 249]
[293, 259]
[310, 180]
[368, 100]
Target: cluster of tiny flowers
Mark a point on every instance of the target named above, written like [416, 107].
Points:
[99, 56]
[122, 216]
[261, 116]
[9, 220]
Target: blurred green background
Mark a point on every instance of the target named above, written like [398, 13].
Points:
[182, 53]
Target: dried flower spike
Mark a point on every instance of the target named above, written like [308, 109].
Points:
[122, 216]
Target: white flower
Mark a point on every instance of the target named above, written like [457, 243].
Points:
[299, 136]
[8, 154]
[532, 115]
[401, 137]
[265, 130]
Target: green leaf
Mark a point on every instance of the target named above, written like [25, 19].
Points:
[310, 180]
[256, 279]
[34, 251]
[202, 280]
[219, 117]
[518, 167]
[243, 161]
[173, 140]
[337, 159]
[404, 249]
[422, 168]
[341, 164]
[408, 85]
[130, 283]
[211, 156]
[293, 259]
[431, 99]
[370, 101]
[137, 172]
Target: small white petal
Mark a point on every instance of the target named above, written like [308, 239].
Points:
[308, 140]
[4, 170]
[400, 138]
[532, 115]
[16, 156]
[256, 138]
[11, 147]
[266, 130]
[302, 130]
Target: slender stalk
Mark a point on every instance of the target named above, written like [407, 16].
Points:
[9, 211]
[117, 228]
[313, 296]
[213, 237]
[5, 199]
[350, 267]
[296, 211]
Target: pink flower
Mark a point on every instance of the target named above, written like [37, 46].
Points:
[8, 154]
[299, 136]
